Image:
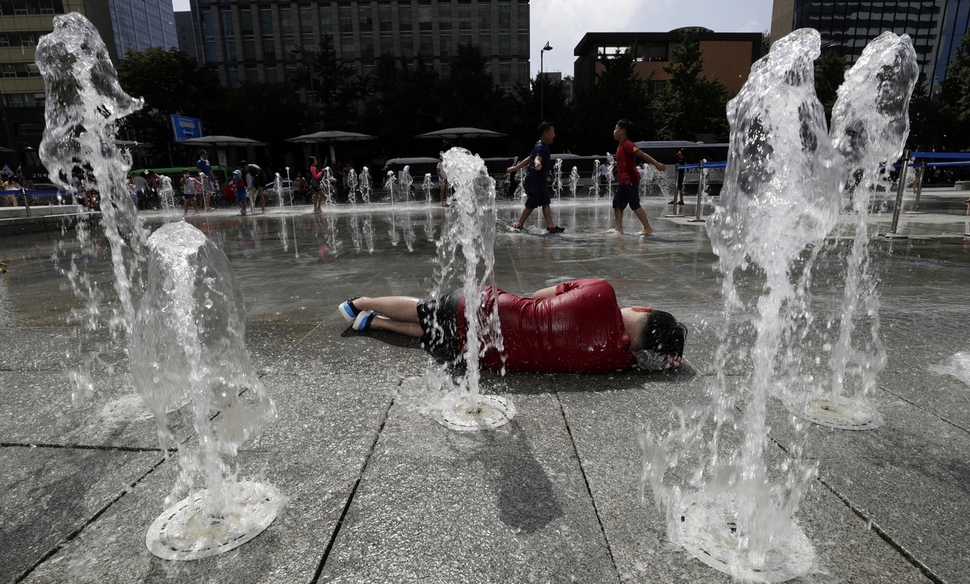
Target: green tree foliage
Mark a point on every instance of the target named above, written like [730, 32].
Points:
[471, 96]
[171, 83]
[617, 93]
[829, 75]
[956, 86]
[689, 103]
[540, 98]
[403, 102]
[933, 126]
[336, 86]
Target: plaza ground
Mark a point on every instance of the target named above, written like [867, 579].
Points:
[379, 492]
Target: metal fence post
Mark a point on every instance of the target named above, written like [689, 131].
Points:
[899, 198]
[701, 187]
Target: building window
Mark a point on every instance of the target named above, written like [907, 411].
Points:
[306, 18]
[269, 49]
[444, 16]
[445, 47]
[266, 21]
[523, 46]
[246, 21]
[504, 16]
[346, 19]
[252, 75]
[286, 20]
[424, 16]
[505, 45]
[326, 19]
[272, 76]
[384, 14]
[426, 47]
[225, 21]
[230, 48]
[249, 50]
[404, 17]
[523, 17]
[233, 75]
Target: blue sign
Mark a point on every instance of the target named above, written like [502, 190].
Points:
[185, 127]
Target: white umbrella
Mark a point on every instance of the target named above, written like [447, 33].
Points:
[461, 132]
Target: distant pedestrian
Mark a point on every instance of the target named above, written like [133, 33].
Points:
[255, 179]
[316, 176]
[190, 189]
[628, 192]
[205, 170]
[240, 186]
[537, 193]
[443, 189]
[681, 161]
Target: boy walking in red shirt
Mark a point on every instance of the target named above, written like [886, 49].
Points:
[628, 193]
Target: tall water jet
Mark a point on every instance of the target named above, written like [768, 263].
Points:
[780, 198]
[573, 181]
[390, 184]
[352, 186]
[557, 178]
[466, 253]
[278, 187]
[327, 183]
[595, 188]
[870, 124]
[365, 185]
[406, 181]
[187, 345]
[520, 183]
[426, 187]
[83, 105]
[166, 197]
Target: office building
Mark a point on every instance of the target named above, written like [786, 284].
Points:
[935, 26]
[727, 55]
[123, 25]
[262, 42]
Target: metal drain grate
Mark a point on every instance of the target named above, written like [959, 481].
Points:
[491, 412]
[183, 532]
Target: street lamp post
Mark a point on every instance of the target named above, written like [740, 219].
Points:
[542, 82]
[312, 95]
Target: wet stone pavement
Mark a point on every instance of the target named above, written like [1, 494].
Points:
[378, 492]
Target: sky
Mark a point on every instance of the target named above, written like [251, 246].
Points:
[562, 23]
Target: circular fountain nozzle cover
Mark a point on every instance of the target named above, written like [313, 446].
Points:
[843, 414]
[709, 533]
[488, 413]
[186, 532]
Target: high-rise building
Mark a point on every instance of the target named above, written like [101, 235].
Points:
[123, 25]
[935, 26]
[262, 42]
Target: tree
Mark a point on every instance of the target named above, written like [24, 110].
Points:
[336, 86]
[171, 83]
[829, 75]
[403, 102]
[617, 93]
[689, 103]
[470, 90]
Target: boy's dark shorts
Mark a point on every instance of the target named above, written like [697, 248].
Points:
[439, 323]
[537, 199]
[627, 195]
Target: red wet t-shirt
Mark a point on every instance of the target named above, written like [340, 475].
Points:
[579, 330]
[626, 163]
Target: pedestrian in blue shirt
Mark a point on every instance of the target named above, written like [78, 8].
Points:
[537, 194]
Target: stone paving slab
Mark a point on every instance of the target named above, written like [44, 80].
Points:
[439, 506]
[49, 494]
[552, 496]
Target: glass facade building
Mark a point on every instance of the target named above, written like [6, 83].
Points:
[935, 26]
[123, 25]
[140, 24]
[258, 42]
